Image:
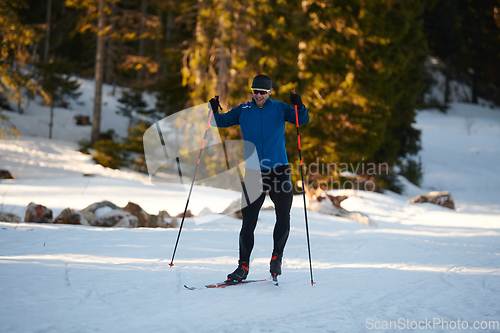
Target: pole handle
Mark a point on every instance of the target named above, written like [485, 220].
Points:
[218, 102]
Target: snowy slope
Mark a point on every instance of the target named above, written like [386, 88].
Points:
[423, 262]
[36, 118]
[461, 154]
[77, 279]
[50, 172]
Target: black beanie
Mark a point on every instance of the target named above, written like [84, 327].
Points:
[262, 82]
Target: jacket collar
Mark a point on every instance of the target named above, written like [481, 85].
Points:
[268, 101]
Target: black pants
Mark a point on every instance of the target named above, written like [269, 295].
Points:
[277, 181]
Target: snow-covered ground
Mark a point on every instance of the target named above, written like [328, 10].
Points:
[461, 154]
[36, 118]
[423, 265]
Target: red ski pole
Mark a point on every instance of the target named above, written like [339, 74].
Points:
[192, 183]
[304, 193]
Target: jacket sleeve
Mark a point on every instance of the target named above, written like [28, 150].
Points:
[290, 114]
[228, 119]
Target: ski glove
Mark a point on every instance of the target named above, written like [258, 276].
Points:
[296, 100]
[214, 103]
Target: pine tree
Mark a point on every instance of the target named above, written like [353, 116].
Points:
[134, 144]
[232, 42]
[480, 47]
[96, 10]
[362, 69]
[17, 38]
[46, 48]
[357, 64]
[443, 36]
[134, 27]
[464, 35]
[55, 80]
[133, 106]
[171, 95]
[122, 26]
[136, 109]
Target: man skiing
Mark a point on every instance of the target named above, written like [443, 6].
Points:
[262, 122]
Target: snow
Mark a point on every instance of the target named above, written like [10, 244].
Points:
[422, 263]
[36, 118]
[461, 154]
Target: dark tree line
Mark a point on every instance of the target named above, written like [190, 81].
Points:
[465, 36]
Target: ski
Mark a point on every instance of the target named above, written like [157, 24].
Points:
[227, 283]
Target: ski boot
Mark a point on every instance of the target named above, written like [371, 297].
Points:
[240, 273]
[275, 264]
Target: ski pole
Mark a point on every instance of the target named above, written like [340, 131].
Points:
[304, 193]
[192, 183]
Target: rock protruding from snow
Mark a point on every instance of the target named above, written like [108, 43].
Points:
[324, 203]
[145, 220]
[435, 197]
[38, 213]
[116, 218]
[99, 214]
[107, 214]
[188, 214]
[97, 210]
[174, 223]
[82, 120]
[325, 207]
[69, 216]
[8, 217]
[5, 174]
[234, 209]
[164, 220]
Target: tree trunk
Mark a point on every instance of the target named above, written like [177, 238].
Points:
[47, 33]
[99, 73]
[51, 123]
[159, 46]
[447, 81]
[144, 7]
[110, 54]
[169, 27]
[223, 72]
[476, 64]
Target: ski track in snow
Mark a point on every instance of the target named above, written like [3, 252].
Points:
[422, 262]
[107, 280]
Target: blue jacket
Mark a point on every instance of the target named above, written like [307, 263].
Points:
[264, 127]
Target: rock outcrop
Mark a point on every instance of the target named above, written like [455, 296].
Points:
[234, 209]
[325, 203]
[38, 213]
[144, 219]
[5, 174]
[8, 217]
[116, 218]
[92, 212]
[164, 220]
[435, 197]
[69, 216]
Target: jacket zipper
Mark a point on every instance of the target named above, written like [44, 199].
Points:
[262, 133]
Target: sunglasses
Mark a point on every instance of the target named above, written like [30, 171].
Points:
[260, 91]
